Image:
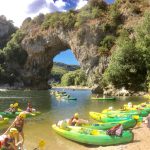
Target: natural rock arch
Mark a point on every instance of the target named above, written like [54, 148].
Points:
[43, 46]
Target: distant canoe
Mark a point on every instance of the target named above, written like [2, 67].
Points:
[103, 98]
[69, 98]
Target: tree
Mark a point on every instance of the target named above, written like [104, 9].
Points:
[76, 77]
[143, 42]
[127, 67]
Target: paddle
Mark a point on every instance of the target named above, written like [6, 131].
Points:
[138, 123]
[41, 145]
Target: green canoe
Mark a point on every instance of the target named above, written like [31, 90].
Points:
[93, 137]
[13, 115]
[103, 98]
[142, 113]
[111, 118]
[4, 121]
[130, 123]
[69, 98]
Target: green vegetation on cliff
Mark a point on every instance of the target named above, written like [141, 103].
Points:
[130, 63]
[6, 30]
[13, 57]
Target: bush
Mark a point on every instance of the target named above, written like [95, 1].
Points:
[108, 41]
[55, 20]
[14, 51]
[98, 3]
[74, 78]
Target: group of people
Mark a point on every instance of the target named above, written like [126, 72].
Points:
[13, 138]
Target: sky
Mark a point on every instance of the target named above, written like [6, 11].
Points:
[69, 58]
[19, 10]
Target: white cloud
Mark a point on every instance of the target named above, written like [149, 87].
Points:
[14, 10]
[18, 10]
[81, 3]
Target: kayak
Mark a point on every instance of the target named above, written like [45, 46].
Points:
[144, 110]
[130, 123]
[93, 137]
[13, 115]
[142, 113]
[103, 98]
[112, 118]
[4, 121]
[69, 98]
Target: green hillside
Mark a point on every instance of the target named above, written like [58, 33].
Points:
[59, 69]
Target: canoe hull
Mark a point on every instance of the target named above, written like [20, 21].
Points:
[80, 135]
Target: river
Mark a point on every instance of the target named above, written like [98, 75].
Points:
[54, 110]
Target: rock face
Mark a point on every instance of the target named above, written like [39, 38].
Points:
[47, 44]
[43, 45]
[6, 29]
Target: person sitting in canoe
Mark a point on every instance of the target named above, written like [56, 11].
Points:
[11, 109]
[8, 140]
[30, 109]
[76, 121]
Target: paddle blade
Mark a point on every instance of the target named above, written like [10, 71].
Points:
[41, 144]
[139, 124]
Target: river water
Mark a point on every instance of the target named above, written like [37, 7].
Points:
[53, 110]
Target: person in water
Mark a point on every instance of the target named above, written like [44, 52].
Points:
[9, 140]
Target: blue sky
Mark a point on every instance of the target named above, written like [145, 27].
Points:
[66, 57]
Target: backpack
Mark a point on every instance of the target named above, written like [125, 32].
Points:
[119, 131]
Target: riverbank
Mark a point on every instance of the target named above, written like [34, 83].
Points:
[140, 142]
[72, 87]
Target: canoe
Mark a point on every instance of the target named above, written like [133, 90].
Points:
[93, 137]
[3, 122]
[142, 113]
[103, 98]
[69, 98]
[130, 123]
[111, 118]
[13, 115]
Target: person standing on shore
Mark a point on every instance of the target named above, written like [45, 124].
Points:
[148, 121]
